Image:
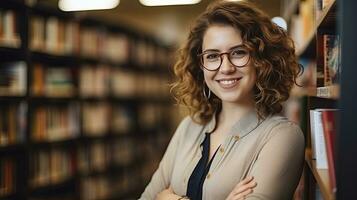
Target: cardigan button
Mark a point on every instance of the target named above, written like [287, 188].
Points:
[221, 150]
[208, 175]
[236, 137]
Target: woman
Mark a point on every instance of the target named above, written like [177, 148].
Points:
[234, 72]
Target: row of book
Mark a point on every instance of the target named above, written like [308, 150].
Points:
[48, 167]
[303, 23]
[57, 81]
[9, 33]
[53, 36]
[53, 81]
[96, 81]
[95, 188]
[7, 177]
[131, 84]
[68, 37]
[54, 123]
[12, 123]
[93, 158]
[62, 122]
[323, 126]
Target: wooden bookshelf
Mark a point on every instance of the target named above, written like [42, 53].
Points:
[321, 176]
[126, 178]
[311, 97]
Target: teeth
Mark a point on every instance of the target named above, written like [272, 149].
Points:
[227, 82]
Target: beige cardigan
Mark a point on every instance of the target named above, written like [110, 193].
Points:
[270, 150]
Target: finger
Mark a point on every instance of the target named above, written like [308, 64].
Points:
[242, 194]
[243, 188]
[244, 181]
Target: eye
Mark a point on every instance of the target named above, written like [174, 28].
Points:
[211, 56]
[239, 53]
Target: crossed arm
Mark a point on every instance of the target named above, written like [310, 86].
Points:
[276, 171]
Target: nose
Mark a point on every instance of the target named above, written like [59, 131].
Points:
[226, 66]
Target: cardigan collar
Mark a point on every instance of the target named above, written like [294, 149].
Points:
[241, 128]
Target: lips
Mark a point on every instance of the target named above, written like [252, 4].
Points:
[229, 82]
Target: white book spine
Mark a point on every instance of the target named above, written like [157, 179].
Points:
[320, 145]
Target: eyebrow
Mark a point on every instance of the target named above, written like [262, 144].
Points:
[236, 46]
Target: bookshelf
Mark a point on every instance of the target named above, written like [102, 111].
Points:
[85, 111]
[314, 29]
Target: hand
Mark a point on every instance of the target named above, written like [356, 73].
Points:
[167, 194]
[242, 189]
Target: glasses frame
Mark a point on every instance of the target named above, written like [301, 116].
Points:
[221, 58]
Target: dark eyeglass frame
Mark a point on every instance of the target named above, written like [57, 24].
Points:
[221, 58]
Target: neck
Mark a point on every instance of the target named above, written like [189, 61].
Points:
[232, 112]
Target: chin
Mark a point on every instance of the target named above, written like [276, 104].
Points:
[231, 98]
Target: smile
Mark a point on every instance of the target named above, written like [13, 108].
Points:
[228, 83]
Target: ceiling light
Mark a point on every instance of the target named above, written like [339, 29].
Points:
[79, 5]
[168, 2]
[280, 22]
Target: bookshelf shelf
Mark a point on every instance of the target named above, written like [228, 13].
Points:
[321, 176]
[54, 59]
[56, 143]
[290, 6]
[307, 49]
[66, 182]
[328, 17]
[12, 148]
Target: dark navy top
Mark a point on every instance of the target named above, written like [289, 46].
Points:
[198, 176]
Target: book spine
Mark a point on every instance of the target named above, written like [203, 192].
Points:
[329, 127]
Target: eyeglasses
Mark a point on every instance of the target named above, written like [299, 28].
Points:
[212, 60]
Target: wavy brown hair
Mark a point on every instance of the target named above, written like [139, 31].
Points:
[272, 54]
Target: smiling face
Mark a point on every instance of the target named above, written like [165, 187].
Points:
[229, 83]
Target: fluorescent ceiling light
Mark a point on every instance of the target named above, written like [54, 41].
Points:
[78, 5]
[168, 2]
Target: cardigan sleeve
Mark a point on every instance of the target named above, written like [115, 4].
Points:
[278, 167]
[162, 176]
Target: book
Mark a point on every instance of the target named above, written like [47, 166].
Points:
[9, 35]
[95, 119]
[94, 81]
[13, 79]
[329, 118]
[318, 146]
[332, 60]
[7, 176]
[12, 123]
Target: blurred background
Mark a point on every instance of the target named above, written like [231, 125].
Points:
[85, 106]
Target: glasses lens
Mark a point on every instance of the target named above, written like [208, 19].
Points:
[211, 60]
[239, 57]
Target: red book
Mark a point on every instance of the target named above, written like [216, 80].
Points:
[329, 125]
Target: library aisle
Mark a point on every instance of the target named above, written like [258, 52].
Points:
[86, 111]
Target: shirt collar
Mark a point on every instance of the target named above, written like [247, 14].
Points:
[241, 128]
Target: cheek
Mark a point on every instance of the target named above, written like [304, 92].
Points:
[252, 78]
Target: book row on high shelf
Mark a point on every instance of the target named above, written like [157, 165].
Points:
[314, 104]
[85, 109]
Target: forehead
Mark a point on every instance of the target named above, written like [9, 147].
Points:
[221, 37]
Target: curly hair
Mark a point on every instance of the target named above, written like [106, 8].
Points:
[272, 54]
